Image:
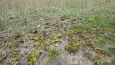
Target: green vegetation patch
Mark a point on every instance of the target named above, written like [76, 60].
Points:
[73, 46]
[57, 37]
[33, 56]
[53, 53]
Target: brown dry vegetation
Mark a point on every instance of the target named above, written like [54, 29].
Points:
[6, 5]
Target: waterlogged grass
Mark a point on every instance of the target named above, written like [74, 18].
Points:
[96, 29]
[87, 27]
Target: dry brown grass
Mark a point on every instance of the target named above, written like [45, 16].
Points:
[6, 5]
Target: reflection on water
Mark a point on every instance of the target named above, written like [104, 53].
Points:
[24, 61]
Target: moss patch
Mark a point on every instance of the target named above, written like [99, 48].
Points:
[32, 57]
[53, 53]
[73, 46]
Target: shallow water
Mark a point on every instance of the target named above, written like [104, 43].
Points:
[113, 56]
[65, 58]
[24, 61]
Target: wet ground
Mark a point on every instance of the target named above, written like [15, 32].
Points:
[79, 41]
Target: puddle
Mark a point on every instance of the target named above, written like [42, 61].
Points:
[113, 56]
[25, 50]
[65, 58]
[43, 59]
[63, 43]
[24, 61]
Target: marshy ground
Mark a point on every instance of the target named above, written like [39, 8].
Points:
[57, 32]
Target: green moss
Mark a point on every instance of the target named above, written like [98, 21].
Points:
[57, 37]
[32, 57]
[73, 46]
[48, 42]
[53, 53]
[37, 37]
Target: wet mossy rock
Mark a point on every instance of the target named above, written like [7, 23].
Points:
[73, 46]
